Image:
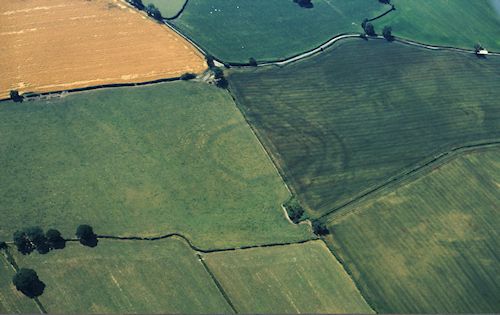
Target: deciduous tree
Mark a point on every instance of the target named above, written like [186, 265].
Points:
[86, 235]
[27, 281]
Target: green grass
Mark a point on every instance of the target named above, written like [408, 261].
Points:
[173, 157]
[430, 246]
[349, 119]
[126, 277]
[458, 23]
[267, 30]
[168, 8]
[11, 300]
[299, 278]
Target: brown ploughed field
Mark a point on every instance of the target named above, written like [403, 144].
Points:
[51, 45]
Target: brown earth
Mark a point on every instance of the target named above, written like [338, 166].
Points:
[50, 45]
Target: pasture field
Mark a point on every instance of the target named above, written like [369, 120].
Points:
[457, 23]
[11, 300]
[126, 277]
[51, 45]
[268, 30]
[341, 123]
[298, 278]
[430, 246]
[148, 161]
[168, 8]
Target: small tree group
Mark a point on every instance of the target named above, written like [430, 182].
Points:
[385, 1]
[320, 229]
[29, 239]
[138, 4]
[86, 235]
[220, 79]
[294, 210]
[304, 3]
[27, 281]
[153, 11]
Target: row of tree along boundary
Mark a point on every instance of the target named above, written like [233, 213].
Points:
[194, 247]
[32, 95]
[408, 175]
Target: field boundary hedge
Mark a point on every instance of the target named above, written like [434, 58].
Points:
[408, 175]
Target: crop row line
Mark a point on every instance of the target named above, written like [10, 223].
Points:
[439, 159]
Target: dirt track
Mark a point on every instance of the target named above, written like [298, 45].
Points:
[60, 44]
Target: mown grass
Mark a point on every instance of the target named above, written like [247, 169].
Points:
[458, 23]
[430, 246]
[168, 8]
[126, 277]
[174, 157]
[299, 278]
[348, 120]
[267, 30]
[11, 300]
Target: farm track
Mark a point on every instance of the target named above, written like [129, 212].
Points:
[401, 179]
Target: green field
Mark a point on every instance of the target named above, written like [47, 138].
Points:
[126, 277]
[11, 300]
[173, 157]
[299, 278]
[267, 30]
[348, 120]
[430, 246]
[458, 23]
[168, 8]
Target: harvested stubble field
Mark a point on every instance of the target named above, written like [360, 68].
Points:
[348, 120]
[125, 277]
[144, 161]
[298, 278]
[430, 246]
[50, 45]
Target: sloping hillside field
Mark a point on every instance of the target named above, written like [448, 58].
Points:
[268, 30]
[126, 277]
[432, 245]
[148, 161]
[299, 278]
[348, 120]
[458, 23]
[51, 45]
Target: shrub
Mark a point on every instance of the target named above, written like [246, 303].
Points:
[188, 76]
[252, 62]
